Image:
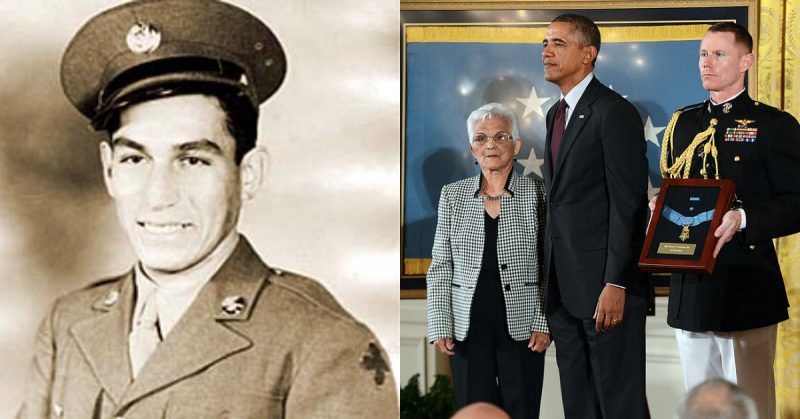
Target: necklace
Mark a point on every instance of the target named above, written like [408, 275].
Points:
[486, 195]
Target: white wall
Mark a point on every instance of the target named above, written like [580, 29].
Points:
[664, 379]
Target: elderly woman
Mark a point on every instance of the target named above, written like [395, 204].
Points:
[486, 288]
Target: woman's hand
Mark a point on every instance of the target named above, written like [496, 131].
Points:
[539, 341]
[445, 345]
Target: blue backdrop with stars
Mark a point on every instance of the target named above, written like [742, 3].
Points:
[445, 81]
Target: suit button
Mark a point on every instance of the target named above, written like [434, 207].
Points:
[58, 411]
[736, 158]
[504, 266]
[752, 247]
[508, 287]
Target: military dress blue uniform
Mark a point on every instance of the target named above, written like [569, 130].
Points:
[727, 322]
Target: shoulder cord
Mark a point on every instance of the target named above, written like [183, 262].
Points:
[684, 161]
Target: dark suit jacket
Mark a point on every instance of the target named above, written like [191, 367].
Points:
[746, 290]
[597, 200]
[292, 352]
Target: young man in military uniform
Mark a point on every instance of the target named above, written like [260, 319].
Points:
[726, 323]
[200, 327]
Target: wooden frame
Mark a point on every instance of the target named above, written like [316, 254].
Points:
[506, 17]
[670, 244]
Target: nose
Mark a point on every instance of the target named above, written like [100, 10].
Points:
[162, 190]
[547, 51]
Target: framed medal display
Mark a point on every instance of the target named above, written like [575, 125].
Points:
[680, 236]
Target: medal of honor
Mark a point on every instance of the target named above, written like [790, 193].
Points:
[686, 222]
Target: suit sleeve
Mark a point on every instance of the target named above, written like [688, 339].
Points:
[345, 374]
[625, 160]
[780, 215]
[440, 276]
[36, 403]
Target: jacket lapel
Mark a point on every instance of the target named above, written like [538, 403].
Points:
[103, 339]
[202, 336]
[576, 122]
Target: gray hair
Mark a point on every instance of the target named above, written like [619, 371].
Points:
[491, 111]
[717, 399]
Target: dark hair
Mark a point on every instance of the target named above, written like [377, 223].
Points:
[241, 116]
[739, 33]
[587, 30]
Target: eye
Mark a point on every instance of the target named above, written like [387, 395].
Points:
[194, 161]
[720, 54]
[703, 54]
[131, 159]
[479, 139]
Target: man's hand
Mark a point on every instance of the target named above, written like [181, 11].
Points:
[731, 222]
[539, 341]
[652, 203]
[445, 345]
[610, 308]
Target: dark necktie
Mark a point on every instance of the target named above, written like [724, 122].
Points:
[559, 123]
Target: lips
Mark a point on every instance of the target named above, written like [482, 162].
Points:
[163, 228]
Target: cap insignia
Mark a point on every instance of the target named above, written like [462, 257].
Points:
[143, 38]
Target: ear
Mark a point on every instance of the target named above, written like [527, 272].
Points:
[746, 62]
[590, 53]
[107, 160]
[517, 146]
[473, 151]
[253, 171]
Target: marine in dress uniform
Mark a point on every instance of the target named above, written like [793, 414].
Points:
[727, 321]
[201, 326]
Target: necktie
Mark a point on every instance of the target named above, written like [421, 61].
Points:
[559, 123]
[144, 336]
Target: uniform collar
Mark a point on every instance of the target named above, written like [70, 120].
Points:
[729, 106]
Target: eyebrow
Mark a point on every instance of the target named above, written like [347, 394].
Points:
[198, 145]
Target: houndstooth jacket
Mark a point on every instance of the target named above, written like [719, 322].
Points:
[458, 251]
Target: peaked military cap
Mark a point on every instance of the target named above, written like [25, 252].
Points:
[151, 48]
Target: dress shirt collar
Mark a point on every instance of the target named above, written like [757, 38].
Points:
[573, 96]
[176, 293]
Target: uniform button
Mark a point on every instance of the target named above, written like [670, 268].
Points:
[504, 266]
[58, 411]
[736, 158]
[752, 247]
[508, 287]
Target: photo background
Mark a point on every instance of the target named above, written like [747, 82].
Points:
[330, 209]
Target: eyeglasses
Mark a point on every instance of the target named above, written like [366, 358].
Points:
[500, 138]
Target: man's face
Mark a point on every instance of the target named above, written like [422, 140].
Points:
[565, 59]
[172, 175]
[723, 63]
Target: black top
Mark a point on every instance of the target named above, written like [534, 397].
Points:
[488, 304]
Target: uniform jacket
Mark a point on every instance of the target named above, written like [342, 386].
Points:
[746, 289]
[458, 252]
[597, 200]
[291, 352]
